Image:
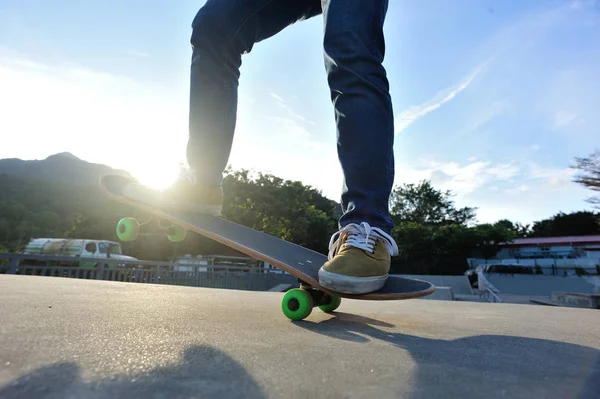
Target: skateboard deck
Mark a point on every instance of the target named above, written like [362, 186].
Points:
[296, 260]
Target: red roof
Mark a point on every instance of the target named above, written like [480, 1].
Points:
[595, 239]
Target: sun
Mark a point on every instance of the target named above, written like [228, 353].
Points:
[156, 174]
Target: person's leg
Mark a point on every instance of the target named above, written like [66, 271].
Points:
[223, 30]
[354, 50]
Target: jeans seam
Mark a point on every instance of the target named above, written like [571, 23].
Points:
[252, 14]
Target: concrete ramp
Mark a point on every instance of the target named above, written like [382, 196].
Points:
[459, 284]
[441, 294]
[63, 337]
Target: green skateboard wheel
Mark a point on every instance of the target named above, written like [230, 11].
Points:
[297, 304]
[176, 233]
[128, 229]
[333, 304]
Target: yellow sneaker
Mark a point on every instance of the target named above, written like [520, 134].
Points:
[359, 260]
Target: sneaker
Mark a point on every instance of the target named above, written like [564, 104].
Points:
[359, 260]
[187, 195]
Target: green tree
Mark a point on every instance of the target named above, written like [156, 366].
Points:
[422, 203]
[283, 208]
[572, 224]
[488, 237]
[518, 230]
[434, 237]
[589, 175]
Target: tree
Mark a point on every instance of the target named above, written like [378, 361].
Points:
[490, 236]
[517, 230]
[433, 235]
[423, 204]
[562, 224]
[283, 208]
[590, 175]
[444, 249]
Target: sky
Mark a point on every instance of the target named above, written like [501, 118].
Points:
[493, 99]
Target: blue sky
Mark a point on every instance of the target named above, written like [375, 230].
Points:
[493, 99]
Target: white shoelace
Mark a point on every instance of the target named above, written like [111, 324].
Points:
[362, 236]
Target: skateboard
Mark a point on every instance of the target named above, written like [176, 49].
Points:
[294, 259]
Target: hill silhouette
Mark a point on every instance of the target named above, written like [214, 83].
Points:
[60, 197]
[63, 167]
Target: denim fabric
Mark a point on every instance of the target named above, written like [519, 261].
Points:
[224, 30]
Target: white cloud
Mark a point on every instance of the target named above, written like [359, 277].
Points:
[503, 171]
[564, 118]
[141, 54]
[518, 189]
[407, 117]
[289, 110]
[461, 179]
[550, 177]
[577, 4]
[466, 178]
[276, 139]
[570, 100]
[277, 97]
[546, 191]
[288, 150]
[521, 192]
[483, 116]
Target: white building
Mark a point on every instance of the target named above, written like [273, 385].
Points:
[554, 255]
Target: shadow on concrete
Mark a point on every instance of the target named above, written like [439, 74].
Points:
[482, 365]
[204, 372]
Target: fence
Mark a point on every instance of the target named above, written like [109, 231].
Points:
[215, 275]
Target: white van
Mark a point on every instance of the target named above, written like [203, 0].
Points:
[97, 249]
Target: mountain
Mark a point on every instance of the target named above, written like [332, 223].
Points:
[58, 168]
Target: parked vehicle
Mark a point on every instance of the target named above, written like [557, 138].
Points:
[78, 248]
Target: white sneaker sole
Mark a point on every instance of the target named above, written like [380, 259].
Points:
[350, 285]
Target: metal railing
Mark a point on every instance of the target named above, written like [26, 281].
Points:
[489, 296]
[212, 275]
[486, 290]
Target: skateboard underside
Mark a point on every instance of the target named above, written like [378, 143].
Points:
[298, 261]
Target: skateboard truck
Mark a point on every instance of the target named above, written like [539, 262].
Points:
[128, 229]
[298, 303]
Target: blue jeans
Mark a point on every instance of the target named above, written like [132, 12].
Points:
[354, 48]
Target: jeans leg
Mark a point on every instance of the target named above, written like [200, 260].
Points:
[223, 30]
[354, 50]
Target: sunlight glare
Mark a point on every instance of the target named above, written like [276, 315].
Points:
[157, 175]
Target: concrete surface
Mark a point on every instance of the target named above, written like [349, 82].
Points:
[569, 299]
[578, 300]
[68, 338]
[471, 297]
[538, 285]
[441, 294]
